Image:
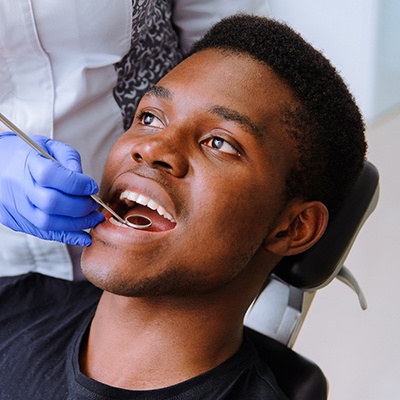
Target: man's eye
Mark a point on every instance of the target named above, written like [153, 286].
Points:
[149, 119]
[221, 145]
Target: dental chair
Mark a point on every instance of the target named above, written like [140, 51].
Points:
[274, 320]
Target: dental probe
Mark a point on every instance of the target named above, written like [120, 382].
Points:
[95, 197]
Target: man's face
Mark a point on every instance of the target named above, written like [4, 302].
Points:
[208, 150]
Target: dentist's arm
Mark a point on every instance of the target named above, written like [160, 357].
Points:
[42, 198]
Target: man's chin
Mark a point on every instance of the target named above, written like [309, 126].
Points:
[93, 267]
[122, 282]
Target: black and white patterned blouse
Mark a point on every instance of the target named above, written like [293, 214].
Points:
[154, 51]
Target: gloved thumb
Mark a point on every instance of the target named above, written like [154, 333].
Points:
[64, 154]
[65, 175]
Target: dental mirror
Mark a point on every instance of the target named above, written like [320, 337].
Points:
[138, 221]
[145, 222]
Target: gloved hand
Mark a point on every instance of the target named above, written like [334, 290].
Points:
[43, 198]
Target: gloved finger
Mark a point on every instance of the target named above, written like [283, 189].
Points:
[78, 237]
[50, 174]
[54, 202]
[48, 222]
[66, 155]
[73, 238]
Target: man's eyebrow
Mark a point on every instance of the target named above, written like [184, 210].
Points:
[159, 91]
[235, 116]
[221, 111]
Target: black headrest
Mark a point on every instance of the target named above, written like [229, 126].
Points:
[321, 263]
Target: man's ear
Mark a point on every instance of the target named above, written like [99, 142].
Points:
[299, 227]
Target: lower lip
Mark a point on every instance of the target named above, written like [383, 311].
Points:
[129, 223]
[124, 235]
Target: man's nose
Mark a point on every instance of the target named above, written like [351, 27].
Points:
[160, 153]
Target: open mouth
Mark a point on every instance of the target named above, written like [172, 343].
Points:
[132, 203]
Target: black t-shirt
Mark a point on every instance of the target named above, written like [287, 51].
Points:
[42, 323]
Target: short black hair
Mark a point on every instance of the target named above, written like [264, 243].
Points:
[327, 127]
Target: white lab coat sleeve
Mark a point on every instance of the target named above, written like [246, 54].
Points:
[193, 18]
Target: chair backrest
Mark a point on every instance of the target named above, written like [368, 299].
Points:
[318, 266]
[275, 319]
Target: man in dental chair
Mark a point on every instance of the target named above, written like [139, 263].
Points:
[240, 154]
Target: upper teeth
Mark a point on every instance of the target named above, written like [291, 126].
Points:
[133, 197]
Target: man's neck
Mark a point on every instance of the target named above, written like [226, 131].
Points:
[147, 344]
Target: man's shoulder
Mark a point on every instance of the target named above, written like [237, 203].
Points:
[32, 291]
[41, 321]
[243, 376]
[258, 381]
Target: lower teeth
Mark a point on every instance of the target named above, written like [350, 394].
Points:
[117, 223]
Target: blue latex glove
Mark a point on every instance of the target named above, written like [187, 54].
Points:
[42, 198]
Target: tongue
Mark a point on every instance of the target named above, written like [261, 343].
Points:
[159, 223]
